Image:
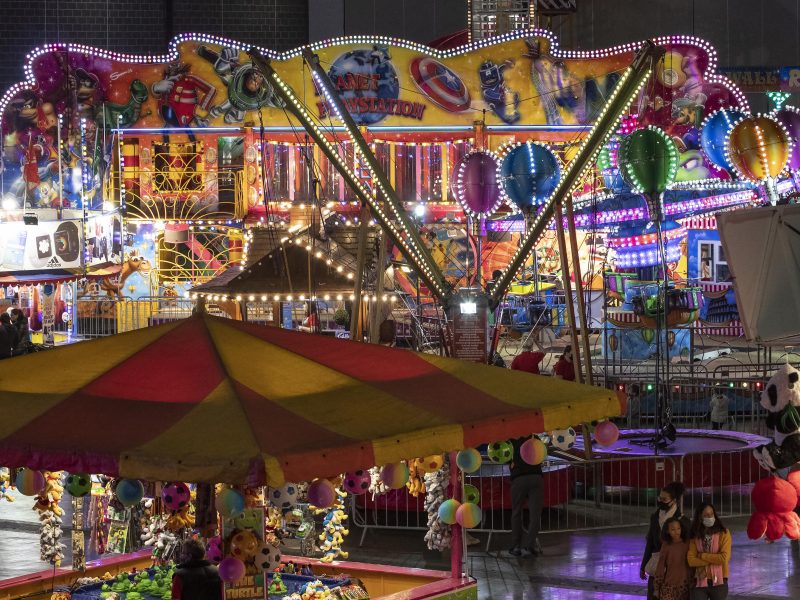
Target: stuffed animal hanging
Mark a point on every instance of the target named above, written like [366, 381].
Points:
[781, 399]
[775, 501]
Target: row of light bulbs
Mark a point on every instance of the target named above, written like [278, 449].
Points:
[287, 297]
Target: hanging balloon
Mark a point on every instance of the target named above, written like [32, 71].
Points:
[648, 335]
[78, 484]
[533, 451]
[231, 570]
[613, 342]
[469, 460]
[648, 160]
[789, 117]
[529, 173]
[714, 135]
[321, 493]
[244, 545]
[758, 148]
[394, 475]
[471, 494]
[468, 515]
[476, 185]
[447, 511]
[606, 433]
[229, 502]
[29, 482]
[129, 491]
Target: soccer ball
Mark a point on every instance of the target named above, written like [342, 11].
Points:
[564, 439]
[176, 495]
[78, 484]
[500, 452]
[268, 557]
[357, 482]
[284, 497]
[244, 545]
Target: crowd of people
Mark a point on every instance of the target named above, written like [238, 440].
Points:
[15, 335]
[685, 560]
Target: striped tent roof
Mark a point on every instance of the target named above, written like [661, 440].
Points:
[217, 400]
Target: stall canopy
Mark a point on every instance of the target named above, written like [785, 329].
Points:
[762, 248]
[217, 400]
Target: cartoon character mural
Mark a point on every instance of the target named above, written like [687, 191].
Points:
[501, 100]
[558, 87]
[180, 94]
[247, 88]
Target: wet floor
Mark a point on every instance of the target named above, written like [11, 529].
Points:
[599, 565]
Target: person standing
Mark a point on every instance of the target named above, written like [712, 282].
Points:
[20, 322]
[527, 483]
[527, 360]
[710, 553]
[719, 408]
[8, 336]
[565, 368]
[673, 577]
[196, 578]
[669, 506]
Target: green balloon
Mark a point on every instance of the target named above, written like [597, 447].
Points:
[648, 160]
[471, 494]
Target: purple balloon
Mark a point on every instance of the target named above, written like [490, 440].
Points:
[231, 569]
[477, 188]
[789, 117]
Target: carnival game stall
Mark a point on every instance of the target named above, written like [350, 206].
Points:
[206, 412]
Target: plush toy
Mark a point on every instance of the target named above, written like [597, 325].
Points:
[334, 531]
[438, 535]
[781, 399]
[416, 471]
[775, 501]
[50, 513]
[276, 586]
[5, 485]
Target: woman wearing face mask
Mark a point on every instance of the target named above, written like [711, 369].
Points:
[669, 506]
[709, 552]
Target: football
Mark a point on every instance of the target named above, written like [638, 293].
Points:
[564, 439]
[268, 557]
[284, 497]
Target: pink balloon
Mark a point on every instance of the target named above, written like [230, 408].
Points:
[231, 569]
[606, 433]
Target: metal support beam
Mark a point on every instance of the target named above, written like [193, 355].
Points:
[394, 206]
[402, 235]
[624, 92]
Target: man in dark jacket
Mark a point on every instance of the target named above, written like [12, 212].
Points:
[8, 336]
[527, 483]
[197, 578]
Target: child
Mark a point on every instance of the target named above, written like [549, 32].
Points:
[673, 576]
[719, 408]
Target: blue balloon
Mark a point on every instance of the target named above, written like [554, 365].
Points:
[529, 174]
[716, 129]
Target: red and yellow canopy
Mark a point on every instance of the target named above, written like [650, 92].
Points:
[210, 399]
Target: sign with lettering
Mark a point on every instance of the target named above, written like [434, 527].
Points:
[764, 79]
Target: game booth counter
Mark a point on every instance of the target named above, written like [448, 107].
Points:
[205, 412]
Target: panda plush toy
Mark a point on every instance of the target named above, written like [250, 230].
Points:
[781, 399]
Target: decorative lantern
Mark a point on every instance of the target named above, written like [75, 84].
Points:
[529, 173]
[476, 186]
[648, 160]
[789, 117]
[714, 135]
[758, 149]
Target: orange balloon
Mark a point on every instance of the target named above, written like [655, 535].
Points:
[758, 148]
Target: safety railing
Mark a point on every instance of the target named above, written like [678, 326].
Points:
[584, 494]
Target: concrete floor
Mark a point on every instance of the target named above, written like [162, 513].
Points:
[598, 564]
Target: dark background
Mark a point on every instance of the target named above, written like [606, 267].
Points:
[745, 32]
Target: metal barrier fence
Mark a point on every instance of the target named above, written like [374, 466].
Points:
[98, 317]
[585, 494]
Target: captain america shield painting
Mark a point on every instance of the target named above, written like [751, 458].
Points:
[440, 84]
